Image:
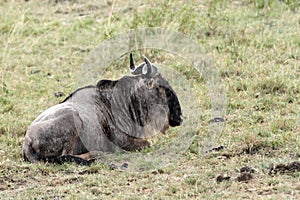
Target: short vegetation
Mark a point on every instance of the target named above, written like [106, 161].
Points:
[255, 47]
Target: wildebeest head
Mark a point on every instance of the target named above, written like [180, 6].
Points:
[158, 89]
[150, 102]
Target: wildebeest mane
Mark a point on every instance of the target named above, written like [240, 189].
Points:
[102, 85]
[77, 90]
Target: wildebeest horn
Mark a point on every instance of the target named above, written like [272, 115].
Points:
[147, 61]
[133, 70]
[132, 66]
[146, 68]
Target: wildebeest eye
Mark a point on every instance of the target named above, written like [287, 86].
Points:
[150, 84]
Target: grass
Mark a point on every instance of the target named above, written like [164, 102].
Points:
[255, 45]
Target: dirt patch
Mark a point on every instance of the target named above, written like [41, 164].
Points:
[244, 177]
[59, 94]
[159, 171]
[94, 169]
[9, 183]
[247, 169]
[246, 174]
[54, 182]
[219, 148]
[289, 168]
[222, 178]
[257, 148]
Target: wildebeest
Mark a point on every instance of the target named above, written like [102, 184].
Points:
[113, 115]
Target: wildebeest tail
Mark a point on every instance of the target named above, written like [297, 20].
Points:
[68, 158]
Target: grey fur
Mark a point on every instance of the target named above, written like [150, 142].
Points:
[110, 116]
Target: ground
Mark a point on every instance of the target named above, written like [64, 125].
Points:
[255, 47]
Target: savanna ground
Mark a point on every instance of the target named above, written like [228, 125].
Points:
[255, 45]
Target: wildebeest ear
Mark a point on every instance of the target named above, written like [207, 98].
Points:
[106, 84]
[175, 116]
[146, 70]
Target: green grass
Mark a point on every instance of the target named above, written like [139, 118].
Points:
[255, 45]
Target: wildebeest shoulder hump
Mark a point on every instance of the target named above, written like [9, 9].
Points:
[79, 89]
[106, 84]
[102, 85]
